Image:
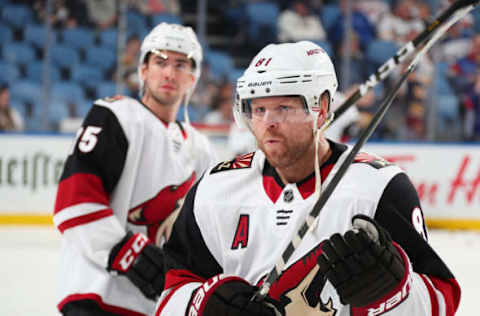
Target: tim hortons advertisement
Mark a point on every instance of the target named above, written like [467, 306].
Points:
[447, 177]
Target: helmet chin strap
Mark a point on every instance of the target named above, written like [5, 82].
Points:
[316, 136]
[186, 100]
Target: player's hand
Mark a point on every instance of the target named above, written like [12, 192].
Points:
[363, 264]
[141, 262]
[231, 296]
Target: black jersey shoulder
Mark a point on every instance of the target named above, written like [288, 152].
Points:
[394, 212]
[106, 155]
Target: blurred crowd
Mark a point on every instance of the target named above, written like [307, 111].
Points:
[440, 101]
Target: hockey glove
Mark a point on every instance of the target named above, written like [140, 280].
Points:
[231, 296]
[141, 262]
[363, 264]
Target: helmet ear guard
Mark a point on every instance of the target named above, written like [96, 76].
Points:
[302, 69]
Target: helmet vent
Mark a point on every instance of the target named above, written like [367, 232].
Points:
[288, 77]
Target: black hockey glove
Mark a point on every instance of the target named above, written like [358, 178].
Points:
[363, 264]
[231, 296]
[141, 262]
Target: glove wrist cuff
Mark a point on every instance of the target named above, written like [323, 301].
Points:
[394, 297]
[202, 294]
[128, 253]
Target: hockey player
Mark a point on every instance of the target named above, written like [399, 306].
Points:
[368, 253]
[129, 169]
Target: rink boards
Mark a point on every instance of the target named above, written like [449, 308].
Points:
[447, 177]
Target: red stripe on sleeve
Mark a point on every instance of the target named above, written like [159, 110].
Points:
[451, 292]
[80, 188]
[433, 296]
[84, 219]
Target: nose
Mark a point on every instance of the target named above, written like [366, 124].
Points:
[169, 71]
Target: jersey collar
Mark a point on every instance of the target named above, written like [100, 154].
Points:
[274, 186]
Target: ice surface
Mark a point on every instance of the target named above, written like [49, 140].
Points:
[29, 260]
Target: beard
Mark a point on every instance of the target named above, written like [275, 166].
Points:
[289, 151]
[165, 99]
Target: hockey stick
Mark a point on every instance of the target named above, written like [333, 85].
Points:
[312, 217]
[404, 52]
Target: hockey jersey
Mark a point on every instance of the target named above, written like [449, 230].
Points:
[238, 219]
[127, 170]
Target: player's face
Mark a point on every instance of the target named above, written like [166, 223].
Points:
[283, 129]
[167, 77]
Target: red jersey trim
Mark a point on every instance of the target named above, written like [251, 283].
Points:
[97, 298]
[451, 292]
[80, 188]
[84, 219]
[175, 279]
[433, 296]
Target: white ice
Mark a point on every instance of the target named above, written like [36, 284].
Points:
[30, 256]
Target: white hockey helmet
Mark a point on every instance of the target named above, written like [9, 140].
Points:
[290, 69]
[173, 37]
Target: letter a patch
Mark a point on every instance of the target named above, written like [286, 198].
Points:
[240, 239]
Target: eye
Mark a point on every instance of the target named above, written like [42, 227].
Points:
[161, 62]
[260, 110]
[284, 108]
[181, 66]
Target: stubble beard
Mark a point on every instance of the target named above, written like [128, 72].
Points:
[289, 154]
[162, 99]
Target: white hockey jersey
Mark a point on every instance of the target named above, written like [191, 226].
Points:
[126, 171]
[238, 219]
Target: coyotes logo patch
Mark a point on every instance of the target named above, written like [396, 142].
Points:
[299, 287]
[373, 160]
[239, 162]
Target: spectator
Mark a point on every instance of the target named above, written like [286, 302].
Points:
[205, 92]
[402, 24]
[102, 13]
[357, 65]
[298, 23]
[410, 106]
[360, 24]
[10, 119]
[150, 7]
[472, 111]
[456, 43]
[373, 9]
[222, 106]
[65, 13]
[464, 71]
[129, 60]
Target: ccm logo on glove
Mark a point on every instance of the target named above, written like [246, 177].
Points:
[129, 252]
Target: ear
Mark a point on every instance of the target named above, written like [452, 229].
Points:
[191, 81]
[324, 106]
[143, 70]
